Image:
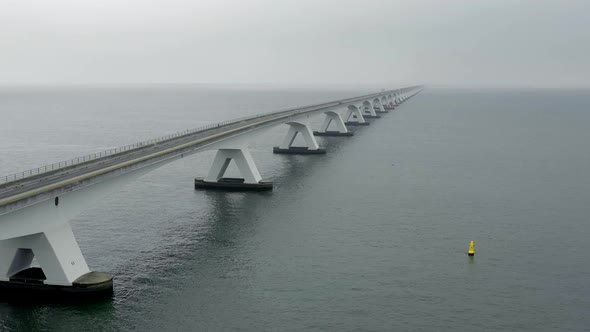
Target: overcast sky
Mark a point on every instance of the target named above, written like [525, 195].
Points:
[296, 42]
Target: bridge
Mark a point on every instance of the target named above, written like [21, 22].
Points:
[36, 205]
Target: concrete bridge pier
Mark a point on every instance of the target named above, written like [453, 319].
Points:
[336, 119]
[378, 107]
[61, 275]
[311, 145]
[383, 104]
[369, 111]
[390, 103]
[404, 94]
[250, 181]
[354, 117]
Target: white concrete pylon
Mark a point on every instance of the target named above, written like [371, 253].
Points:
[351, 111]
[305, 131]
[336, 119]
[368, 108]
[384, 101]
[13, 260]
[243, 160]
[377, 104]
[56, 251]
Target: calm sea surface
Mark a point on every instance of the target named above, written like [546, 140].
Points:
[370, 237]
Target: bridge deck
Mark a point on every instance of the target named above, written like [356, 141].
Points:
[77, 176]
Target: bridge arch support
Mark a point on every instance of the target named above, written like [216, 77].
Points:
[368, 110]
[303, 129]
[390, 99]
[354, 117]
[378, 106]
[333, 117]
[55, 250]
[250, 181]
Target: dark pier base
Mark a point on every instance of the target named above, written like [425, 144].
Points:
[388, 108]
[298, 150]
[382, 112]
[333, 133]
[354, 123]
[27, 286]
[233, 184]
[369, 116]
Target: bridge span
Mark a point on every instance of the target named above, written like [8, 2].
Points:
[36, 206]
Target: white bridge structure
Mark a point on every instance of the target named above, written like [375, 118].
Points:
[36, 206]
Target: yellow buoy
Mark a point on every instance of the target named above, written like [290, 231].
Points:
[471, 251]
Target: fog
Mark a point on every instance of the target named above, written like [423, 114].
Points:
[481, 43]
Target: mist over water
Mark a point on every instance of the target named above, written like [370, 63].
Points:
[370, 237]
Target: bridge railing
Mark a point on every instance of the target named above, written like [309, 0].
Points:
[103, 154]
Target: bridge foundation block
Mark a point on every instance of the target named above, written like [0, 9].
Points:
[333, 133]
[371, 116]
[298, 150]
[356, 123]
[27, 286]
[233, 184]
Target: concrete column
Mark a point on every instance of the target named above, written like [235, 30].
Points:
[368, 110]
[303, 129]
[378, 106]
[56, 251]
[243, 160]
[250, 181]
[333, 118]
[8, 266]
[351, 113]
[391, 101]
[311, 145]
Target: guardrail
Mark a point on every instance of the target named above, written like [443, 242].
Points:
[98, 155]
